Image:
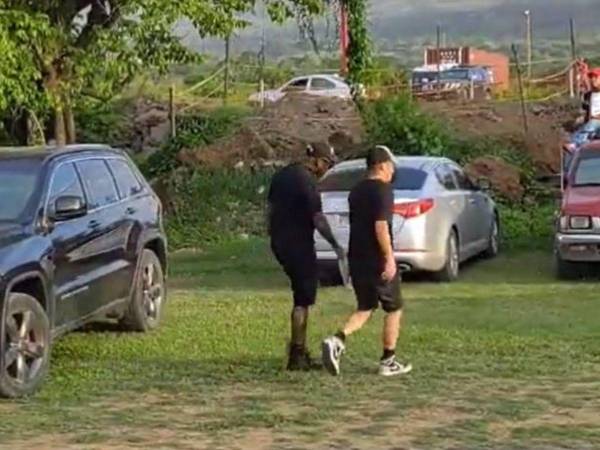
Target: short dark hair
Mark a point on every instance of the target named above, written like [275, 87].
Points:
[378, 155]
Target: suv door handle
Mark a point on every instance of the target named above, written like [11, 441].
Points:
[131, 210]
[93, 224]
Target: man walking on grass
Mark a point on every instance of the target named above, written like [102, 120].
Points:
[295, 211]
[372, 264]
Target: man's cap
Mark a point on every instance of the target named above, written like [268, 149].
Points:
[321, 150]
[378, 155]
[594, 73]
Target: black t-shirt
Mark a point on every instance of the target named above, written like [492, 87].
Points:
[370, 201]
[294, 200]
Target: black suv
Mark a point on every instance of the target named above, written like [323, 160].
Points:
[81, 239]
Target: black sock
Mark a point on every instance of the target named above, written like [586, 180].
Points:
[387, 354]
[341, 335]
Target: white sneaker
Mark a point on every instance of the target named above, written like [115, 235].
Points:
[333, 348]
[391, 367]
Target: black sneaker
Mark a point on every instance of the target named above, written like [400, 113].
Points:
[300, 360]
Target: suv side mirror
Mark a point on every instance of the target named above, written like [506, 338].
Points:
[69, 207]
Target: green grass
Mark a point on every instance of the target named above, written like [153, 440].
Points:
[506, 358]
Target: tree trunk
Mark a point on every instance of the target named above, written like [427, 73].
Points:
[69, 122]
[60, 132]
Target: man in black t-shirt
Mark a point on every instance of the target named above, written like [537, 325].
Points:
[372, 264]
[295, 212]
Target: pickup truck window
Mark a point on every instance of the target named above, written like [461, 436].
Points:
[587, 172]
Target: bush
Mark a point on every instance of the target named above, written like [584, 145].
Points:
[398, 123]
[216, 206]
[527, 227]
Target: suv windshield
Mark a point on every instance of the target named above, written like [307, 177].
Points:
[587, 172]
[405, 179]
[455, 75]
[18, 179]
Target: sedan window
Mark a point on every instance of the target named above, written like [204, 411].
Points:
[297, 85]
[445, 177]
[99, 184]
[405, 179]
[321, 84]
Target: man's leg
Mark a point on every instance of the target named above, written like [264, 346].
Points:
[391, 301]
[334, 346]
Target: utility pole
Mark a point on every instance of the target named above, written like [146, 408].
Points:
[573, 39]
[226, 75]
[521, 91]
[529, 26]
[439, 55]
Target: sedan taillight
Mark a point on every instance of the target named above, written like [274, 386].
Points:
[417, 208]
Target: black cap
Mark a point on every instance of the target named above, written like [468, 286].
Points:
[378, 155]
[321, 150]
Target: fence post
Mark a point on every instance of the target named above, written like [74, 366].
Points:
[521, 92]
[472, 90]
[172, 112]
[572, 81]
[226, 75]
[262, 93]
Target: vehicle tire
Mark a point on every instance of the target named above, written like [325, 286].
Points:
[565, 270]
[149, 295]
[26, 350]
[450, 271]
[494, 240]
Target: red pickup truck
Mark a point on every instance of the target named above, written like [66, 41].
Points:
[578, 227]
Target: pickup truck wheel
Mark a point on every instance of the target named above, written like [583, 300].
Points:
[148, 299]
[565, 270]
[449, 272]
[26, 350]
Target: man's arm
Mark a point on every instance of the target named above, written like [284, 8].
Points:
[382, 232]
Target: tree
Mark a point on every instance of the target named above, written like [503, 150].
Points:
[55, 51]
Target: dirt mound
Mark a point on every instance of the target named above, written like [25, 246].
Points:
[282, 131]
[503, 121]
[504, 178]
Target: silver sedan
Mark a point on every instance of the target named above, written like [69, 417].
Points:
[441, 218]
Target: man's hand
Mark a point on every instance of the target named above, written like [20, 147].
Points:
[390, 269]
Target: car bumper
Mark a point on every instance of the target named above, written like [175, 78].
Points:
[578, 247]
[407, 261]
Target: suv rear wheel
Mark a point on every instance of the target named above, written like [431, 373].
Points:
[146, 306]
[26, 350]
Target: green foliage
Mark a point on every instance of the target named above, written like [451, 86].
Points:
[360, 47]
[527, 226]
[399, 124]
[193, 131]
[213, 206]
[104, 123]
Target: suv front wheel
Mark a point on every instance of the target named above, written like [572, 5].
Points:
[146, 306]
[26, 350]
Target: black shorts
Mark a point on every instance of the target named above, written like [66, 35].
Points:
[373, 291]
[300, 265]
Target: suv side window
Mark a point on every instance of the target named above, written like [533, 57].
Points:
[445, 177]
[462, 179]
[99, 183]
[65, 181]
[127, 183]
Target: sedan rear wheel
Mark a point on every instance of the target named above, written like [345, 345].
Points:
[494, 240]
[451, 269]
[26, 350]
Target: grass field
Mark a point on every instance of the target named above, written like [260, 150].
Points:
[506, 358]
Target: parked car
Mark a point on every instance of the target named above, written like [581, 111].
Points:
[81, 239]
[440, 217]
[578, 227]
[319, 85]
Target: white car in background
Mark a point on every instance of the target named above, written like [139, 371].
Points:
[318, 85]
